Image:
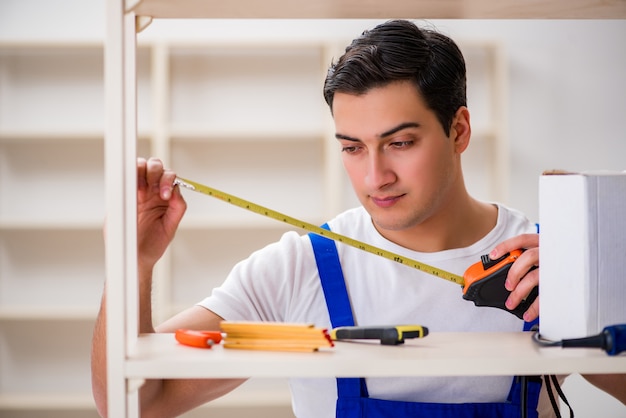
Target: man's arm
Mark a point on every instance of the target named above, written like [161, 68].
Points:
[160, 209]
[166, 397]
[613, 384]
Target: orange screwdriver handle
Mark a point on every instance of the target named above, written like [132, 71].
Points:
[200, 339]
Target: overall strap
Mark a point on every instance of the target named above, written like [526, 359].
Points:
[528, 326]
[337, 301]
[333, 283]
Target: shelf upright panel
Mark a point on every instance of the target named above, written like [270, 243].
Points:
[499, 110]
[121, 203]
[160, 146]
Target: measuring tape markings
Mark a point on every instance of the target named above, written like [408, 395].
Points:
[261, 210]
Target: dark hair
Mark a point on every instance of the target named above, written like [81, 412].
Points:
[398, 50]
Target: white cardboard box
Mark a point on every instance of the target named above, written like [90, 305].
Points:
[582, 253]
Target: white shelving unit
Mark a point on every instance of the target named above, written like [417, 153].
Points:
[270, 121]
[134, 358]
[51, 211]
[52, 264]
[52, 178]
[155, 356]
[51, 150]
[51, 153]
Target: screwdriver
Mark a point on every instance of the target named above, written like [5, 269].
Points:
[388, 335]
[612, 339]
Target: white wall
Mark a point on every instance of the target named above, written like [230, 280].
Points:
[567, 86]
[567, 92]
[567, 97]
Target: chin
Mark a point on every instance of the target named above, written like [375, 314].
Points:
[390, 224]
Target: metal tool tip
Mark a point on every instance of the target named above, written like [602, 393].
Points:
[179, 182]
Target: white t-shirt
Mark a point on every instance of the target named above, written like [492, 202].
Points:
[281, 283]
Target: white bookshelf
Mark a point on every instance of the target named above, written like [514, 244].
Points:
[51, 211]
[270, 140]
[153, 355]
[52, 206]
[52, 186]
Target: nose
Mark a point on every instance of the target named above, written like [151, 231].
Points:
[379, 173]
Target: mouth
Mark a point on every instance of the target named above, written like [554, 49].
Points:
[386, 201]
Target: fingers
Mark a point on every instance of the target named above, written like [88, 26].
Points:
[523, 276]
[141, 173]
[154, 173]
[525, 262]
[167, 184]
[532, 312]
[153, 177]
[521, 290]
[515, 243]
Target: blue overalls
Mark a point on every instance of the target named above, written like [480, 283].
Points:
[353, 400]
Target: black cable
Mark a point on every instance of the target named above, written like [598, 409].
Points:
[555, 406]
[612, 339]
[546, 343]
[552, 380]
[562, 395]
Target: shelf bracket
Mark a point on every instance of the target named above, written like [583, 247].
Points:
[142, 22]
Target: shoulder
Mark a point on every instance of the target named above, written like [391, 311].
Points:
[513, 222]
[510, 223]
[354, 221]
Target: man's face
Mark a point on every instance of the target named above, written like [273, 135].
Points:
[401, 164]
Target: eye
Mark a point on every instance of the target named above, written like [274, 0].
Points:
[350, 149]
[401, 144]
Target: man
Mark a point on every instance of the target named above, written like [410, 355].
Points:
[398, 100]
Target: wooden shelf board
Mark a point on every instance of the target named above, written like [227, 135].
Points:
[46, 401]
[47, 313]
[439, 354]
[212, 135]
[373, 9]
[15, 224]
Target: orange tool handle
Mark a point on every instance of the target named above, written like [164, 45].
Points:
[200, 339]
[485, 268]
[484, 284]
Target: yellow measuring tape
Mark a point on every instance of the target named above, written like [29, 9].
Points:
[253, 207]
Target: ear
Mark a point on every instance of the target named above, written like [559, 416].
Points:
[461, 130]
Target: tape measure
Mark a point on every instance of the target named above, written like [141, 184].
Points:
[309, 227]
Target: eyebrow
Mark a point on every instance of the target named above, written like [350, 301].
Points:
[391, 131]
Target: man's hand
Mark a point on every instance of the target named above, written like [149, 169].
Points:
[160, 207]
[520, 269]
